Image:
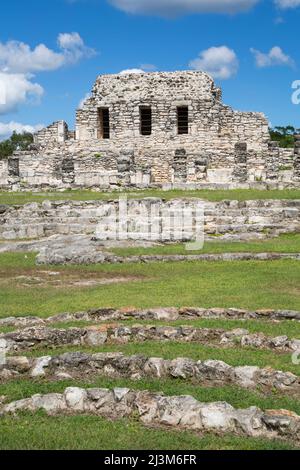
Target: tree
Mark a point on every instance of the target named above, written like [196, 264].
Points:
[284, 135]
[16, 142]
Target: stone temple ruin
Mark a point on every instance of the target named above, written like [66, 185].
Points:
[154, 130]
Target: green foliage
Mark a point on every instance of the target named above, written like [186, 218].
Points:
[6, 149]
[14, 143]
[284, 135]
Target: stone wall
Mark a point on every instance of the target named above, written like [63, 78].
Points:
[116, 365]
[53, 134]
[94, 218]
[166, 314]
[108, 171]
[158, 410]
[223, 146]
[41, 337]
[211, 124]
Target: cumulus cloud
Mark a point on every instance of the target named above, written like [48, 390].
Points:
[131, 71]
[18, 57]
[219, 62]
[181, 7]
[19, 62]
[17, 89]
[286, 4]
[6, 129]
[275, 56]
[73, 48]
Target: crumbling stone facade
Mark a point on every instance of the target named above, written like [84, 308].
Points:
[154, 129]
[239, 219]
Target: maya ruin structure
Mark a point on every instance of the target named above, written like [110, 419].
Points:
[154, 130]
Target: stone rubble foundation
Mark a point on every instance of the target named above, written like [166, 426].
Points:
[152, 314]
[179, 412]
[68, 255]
[40, 336]
[212, 373]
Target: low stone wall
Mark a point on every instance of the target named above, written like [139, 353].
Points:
[210, 373]
[95, 218]
[153, 314]
[96, 167]
[98, 335]
[156, 409]
[69, 255]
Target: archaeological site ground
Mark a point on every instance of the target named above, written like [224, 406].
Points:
[150, 276]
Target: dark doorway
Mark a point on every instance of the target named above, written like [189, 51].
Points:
[104, 124]
[183, 120]
[146, 120]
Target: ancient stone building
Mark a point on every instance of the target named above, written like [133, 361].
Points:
[167, 129]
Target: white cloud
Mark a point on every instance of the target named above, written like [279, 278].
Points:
[70, 40]
[171, 8]
[17, 89]
[73, 48]
[6, 129]
[18, 63]
[219, 62]
[275, 56]
[131, 71]
[285, 4]
[18, 57]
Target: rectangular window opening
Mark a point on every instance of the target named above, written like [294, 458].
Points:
[104, 125]
[183, 120]
[146, 120]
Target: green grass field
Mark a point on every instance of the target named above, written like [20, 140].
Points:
[204, 284]
[276, 285]
[16, 198]
[87, 432]
[287, 243]
[247, 284]
[93, 433]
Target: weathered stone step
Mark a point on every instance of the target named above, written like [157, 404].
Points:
[115, 334]
[67, 255]
[159, 314]
[180, 412]
[84, 217]
[77, 365]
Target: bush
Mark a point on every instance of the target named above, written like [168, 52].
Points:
[14, 143]
[284, 136]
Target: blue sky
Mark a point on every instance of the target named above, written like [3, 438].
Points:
[254, 55]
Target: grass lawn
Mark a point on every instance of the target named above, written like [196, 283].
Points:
[249, 284]
[16, 198]
[287, 243]
[204, 284]
[39, 432]
[27, 431]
